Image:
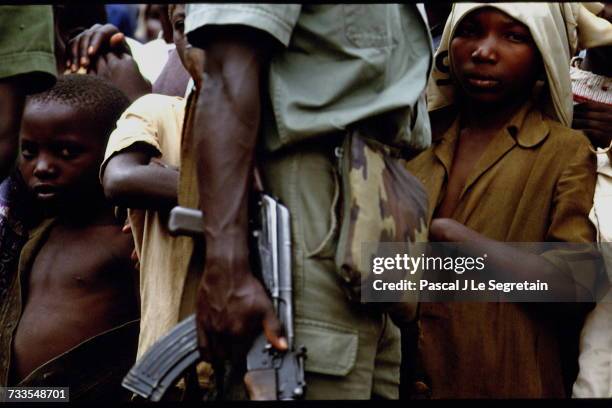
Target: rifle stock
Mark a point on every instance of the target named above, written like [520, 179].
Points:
[165, 362]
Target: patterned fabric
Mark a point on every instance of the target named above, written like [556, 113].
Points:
[13, 234]
[587, 86]
[382, 202]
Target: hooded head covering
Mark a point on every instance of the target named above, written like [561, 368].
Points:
[558, 30]
[594, 7]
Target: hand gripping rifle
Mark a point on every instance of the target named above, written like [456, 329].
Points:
[271, 374]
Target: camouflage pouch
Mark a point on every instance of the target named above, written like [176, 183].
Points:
[381, 202]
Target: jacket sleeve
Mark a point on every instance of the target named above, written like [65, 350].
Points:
[569, 220]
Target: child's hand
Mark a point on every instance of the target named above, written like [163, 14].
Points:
[595, 119]
[93, 42]
[123, 72]
[127, 229]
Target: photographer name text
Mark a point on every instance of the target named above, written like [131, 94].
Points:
[460, 285]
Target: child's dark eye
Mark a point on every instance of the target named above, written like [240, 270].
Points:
[68, 153]
[28, 152]
[467, 30]
[518, 37]
[179, 25]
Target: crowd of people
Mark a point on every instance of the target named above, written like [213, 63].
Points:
[480, 123]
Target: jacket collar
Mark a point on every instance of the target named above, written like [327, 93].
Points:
[527, 128]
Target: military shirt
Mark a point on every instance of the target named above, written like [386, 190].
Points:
[341, 64]
[336, 66]
[27, 45]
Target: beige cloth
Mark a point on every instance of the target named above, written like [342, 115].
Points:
[594, 6]
[595, 361]
[156, 120]
[595, 376]
[151, 56]
[558, 29]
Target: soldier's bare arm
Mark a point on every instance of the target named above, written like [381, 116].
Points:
[232, 306]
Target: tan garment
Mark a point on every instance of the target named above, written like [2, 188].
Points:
[594, 7]
[534, 182]
[156, 120]
[601, 213]
[595, 376]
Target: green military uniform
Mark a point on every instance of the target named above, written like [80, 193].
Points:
[26, 46]
[342, 67]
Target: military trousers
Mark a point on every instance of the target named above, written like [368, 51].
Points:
[353, 351]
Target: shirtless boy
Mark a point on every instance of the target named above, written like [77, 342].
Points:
[69, 307]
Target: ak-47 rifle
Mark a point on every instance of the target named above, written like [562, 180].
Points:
[271, 374]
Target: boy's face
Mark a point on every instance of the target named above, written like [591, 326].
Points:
[61, 152]
[494, 57]
[177, 19]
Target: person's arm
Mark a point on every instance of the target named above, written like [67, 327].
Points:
[11, 108]
[232, 305]
[132, 179]
[509, 263]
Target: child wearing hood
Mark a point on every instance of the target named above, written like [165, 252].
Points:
[505, 166]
